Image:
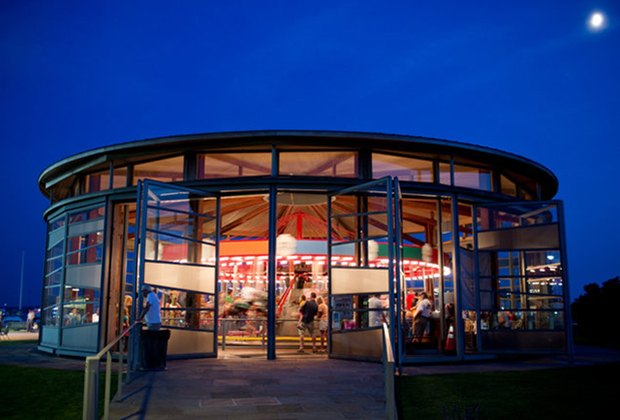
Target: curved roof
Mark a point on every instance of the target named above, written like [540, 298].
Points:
[431, 147]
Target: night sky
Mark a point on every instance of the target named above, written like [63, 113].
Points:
[527, 77]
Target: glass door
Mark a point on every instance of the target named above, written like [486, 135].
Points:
[364, 255]
[520, 266]
[178, 249]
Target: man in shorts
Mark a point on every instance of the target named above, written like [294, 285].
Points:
[306, 322]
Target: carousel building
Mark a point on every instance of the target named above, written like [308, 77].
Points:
[233, 230]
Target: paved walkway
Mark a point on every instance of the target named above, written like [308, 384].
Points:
[292, 387]
[256, 389]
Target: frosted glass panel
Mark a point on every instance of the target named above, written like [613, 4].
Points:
[359, 280]
[88, 276]
[187, 342]
[179, 276]
[358, 344]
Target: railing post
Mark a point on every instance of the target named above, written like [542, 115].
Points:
[388, 371]
[224, 331]
[119, 388]
[108, 383]
[91, 382]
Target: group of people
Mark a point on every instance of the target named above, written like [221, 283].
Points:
[310, 309]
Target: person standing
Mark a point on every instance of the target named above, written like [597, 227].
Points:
[376, 313]
[151, 312]
[30, 321]
[306, 322]
[322, 316]
[421, 316]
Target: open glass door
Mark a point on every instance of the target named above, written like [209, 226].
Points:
[521, 272]
[363, 260]
[178, 249]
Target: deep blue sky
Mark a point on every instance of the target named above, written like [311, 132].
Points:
[523, 76]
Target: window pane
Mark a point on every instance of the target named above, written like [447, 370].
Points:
[340, 164]
[81, 306]
[508, 187]
[97, 182]
[470, 177]
[229, 165]
[120, 178]
[51, 296]
[406, 169]
[50, 316]
[354, 312]
[165, 170]
[444, 173]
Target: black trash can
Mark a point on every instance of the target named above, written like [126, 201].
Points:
[154, 349]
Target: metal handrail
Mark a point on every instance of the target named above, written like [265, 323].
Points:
[389, 371]
[91, 377]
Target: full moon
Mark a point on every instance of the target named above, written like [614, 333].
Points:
[596, 21]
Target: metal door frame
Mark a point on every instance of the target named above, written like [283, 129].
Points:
[143, 190]
[391, 190]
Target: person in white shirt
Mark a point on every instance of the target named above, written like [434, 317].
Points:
[376, 316]
[151, 312]
[421, 316]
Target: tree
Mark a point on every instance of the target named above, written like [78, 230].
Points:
[596, 314]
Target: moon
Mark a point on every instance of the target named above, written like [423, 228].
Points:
[596, 21]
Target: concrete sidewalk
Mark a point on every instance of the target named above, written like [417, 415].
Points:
[300, 388]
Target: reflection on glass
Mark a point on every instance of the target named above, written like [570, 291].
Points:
[165, 170]
[336, 164]
[471, 177]
[230, 165]
[406, 169]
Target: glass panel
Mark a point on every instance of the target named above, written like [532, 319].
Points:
[336, 164]
[86, 215]
[86, 255]
[354, 312]
[81, 306]
[444, 173]
[516, 216]
[51, 296]
[470, 177]
[120, 177]
[508, 187]
[189, 310]
[50, 316]
[56, 224]
[242, 283]
[522, 320]
[97, 182]
[54, 278]
[406, 169]
[229, 165]
[186, 225]
[165, 170]
[53, 264]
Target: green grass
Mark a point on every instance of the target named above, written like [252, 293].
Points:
[568, 393]
[40, 393]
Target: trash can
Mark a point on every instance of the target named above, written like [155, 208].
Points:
[154, 349]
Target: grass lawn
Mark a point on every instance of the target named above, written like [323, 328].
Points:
[40, 393]
[569, 393]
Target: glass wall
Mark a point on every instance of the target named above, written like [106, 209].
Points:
[97, 182]
[520, 271]
[336, 164]
[52, 283]
[243, 272]
[472, 177]
[164, 170]
[229, 165]
[406, 169]
[82, 288]
[427, 269]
